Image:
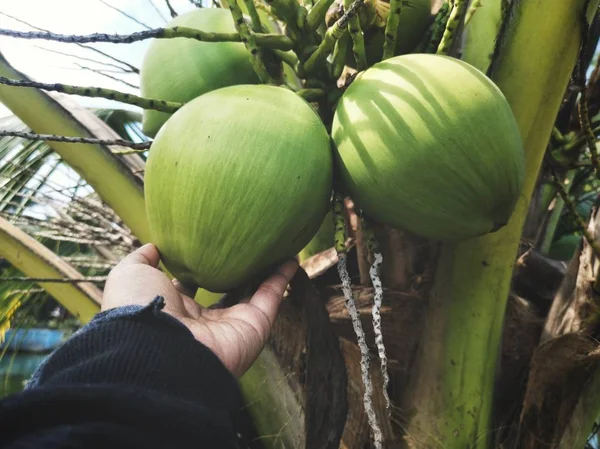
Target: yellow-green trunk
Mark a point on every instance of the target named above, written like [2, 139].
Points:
[453, 387]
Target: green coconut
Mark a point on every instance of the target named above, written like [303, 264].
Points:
[182, 69]
[429, 144]
[321, 241]
[238, 180]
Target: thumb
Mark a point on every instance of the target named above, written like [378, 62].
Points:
[146, 255]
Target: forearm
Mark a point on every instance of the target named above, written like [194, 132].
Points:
[132, 374]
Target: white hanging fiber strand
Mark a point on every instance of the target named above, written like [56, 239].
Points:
[376, 312]
[364, 350]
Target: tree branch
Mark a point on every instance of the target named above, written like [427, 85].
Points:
[144, 103]
[123, 13]
[171, 10]
[273, 41]
[249, 39]
[332, 34]
[105, 74]
[67, 139]
[391, 29]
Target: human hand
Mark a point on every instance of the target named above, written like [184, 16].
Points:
[236, 334]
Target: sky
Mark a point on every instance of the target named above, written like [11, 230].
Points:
[79, 17]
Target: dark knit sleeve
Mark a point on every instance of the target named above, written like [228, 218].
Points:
[133, 377]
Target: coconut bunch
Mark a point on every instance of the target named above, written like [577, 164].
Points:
[282, 101]
[240, 178]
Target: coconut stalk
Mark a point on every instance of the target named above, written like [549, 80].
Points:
[452, 385]
[481, 33]
[35, 260]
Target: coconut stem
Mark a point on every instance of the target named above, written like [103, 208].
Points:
[339, 56]
[391, 29]
[340, 246]
[583, 110]
[581, 224]
[139, 146]
[317, 14]
[358, 40]
[438, 28]
[288, 57]
[311, 94]
[452, 26]
[472, 10]
[254, 17]
[373, 248]
[273, 41]
[250, 43]
[144, 103]
[332, 34]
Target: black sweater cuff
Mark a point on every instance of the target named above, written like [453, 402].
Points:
[146, 348]
[133, 377]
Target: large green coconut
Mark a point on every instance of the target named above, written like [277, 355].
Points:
[237, 180]
[429, 144]
[182, 69]
[321, 241]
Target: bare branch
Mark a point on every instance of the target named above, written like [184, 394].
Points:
[198, 4]
[83, 58]
[67, 139]
[23, 22]
[133, 68]
[130, 17]
[158, 11]
[171, 10]
[273, 41]
[91, 279]
[105, 74]
[144, 103]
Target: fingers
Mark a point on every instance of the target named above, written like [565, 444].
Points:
[182, 288]
[146, 255]
[269, 295]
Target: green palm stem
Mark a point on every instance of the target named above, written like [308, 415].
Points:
[145, 103]
[586, 125]
[438, 28]
[556, 213]
[391, 29]
[472, 10]
[580, 222]
[332, 35]
[311, 94]
[250, 43]
[452, 26]
[272, 41]
[480, 37]
[339, 56]
[254, 17]
[288, 57]
[317, 14]
[451, 397]
[358, 40]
